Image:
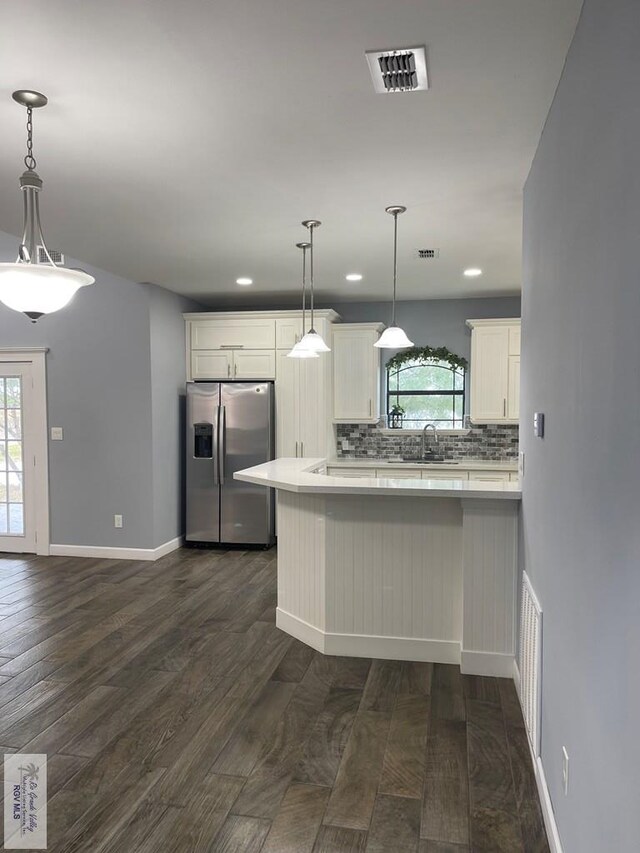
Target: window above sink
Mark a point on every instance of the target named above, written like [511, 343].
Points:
[423, 389]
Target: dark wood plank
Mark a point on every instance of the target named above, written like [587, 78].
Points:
[241, 835]
[336, 839]
[295, 663]
[427, 846]
[510, 703]
[354, 791]
[447, 693]
[295, 827]
[323, 750]
[405, 756]
[445, 806]
[531, 822]
[382, 686]
[490, 779]
[416, 677]
[495, 831]
[481, 688]
[395, 826]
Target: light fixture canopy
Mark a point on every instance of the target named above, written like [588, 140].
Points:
[30, 285]
[298, 351]
[394, 337]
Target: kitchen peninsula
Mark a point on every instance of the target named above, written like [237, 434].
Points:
[405, 569]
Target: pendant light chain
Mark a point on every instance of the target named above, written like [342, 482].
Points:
[30, 160]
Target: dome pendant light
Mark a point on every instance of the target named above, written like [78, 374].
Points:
[394, 337]
[297, 351]
[35, 284]
[312, 340]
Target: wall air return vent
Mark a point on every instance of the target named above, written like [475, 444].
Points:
[530, 662]
[427, 254]
[402, 70]
[56, 256]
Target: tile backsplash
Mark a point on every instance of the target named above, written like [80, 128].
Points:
[484, 441]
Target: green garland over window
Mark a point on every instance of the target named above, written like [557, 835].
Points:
[427, 355]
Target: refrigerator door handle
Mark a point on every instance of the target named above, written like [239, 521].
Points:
[216, 439]
[222, 442]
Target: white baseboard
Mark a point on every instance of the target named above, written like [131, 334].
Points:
[116, 553]
[368, 645]
[548, 815]
[486, 663]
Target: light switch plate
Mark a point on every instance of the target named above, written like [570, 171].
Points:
[56, 433]
[538, 424]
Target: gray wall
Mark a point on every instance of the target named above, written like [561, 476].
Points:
[99, 387]
[432, 322]
[168, 367]
[580, 358]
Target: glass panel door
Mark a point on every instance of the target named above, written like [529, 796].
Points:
[17, 508]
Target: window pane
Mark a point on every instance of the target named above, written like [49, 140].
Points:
[15, 487]
[3, 456]
[3, 518]
[2, 392]
[3, 488]
[2, 421]
[16, 519]
[14, 420]
[14, 451]
[13, 393]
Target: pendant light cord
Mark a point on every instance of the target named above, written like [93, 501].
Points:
[312, 329]
[395, 265]
[304, 289]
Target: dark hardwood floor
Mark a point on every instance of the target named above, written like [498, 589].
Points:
[177, 717]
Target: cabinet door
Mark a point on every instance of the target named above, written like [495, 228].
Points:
[513, 390]
[489, 476]
[514, 340]
[489, 362]
[400, 473]
[233, 334]
[451, 474]
[356, 376]
[351, 472]
[287, 405]
[288, 332]
[212, 364]
[313, 424]
[254, 364]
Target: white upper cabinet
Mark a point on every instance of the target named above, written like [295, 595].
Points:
[233, 364]
[233, 333]
[495, 370]
[356, 373]
[288, 332]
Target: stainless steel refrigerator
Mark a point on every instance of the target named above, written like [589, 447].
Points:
[230, 426]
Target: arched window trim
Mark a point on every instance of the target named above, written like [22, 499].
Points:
[454, 365]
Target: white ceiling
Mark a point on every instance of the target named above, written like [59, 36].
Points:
[186, 139]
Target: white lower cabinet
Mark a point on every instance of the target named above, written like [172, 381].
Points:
[450, 474]
[351, 472]
[402, 473]
[439, 473]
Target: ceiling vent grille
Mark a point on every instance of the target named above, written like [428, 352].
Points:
[56, 256]
[402, 70]
[427, 254]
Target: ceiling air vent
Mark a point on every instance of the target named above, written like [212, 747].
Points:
[427, 254]
[403, 70]
[56, 256]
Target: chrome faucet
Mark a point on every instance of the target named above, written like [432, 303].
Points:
[424, 436]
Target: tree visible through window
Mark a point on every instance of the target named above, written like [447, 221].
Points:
[429, 393]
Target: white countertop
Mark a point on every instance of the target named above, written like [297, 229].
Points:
[297, 475]
[463, 464]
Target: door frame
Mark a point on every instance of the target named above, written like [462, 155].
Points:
[37, 358]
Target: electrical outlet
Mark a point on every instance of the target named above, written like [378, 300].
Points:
[565, 770]
[117, 521]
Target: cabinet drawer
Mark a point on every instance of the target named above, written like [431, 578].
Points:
[233, 334]
[490, 476]
[254, 364]
[514, 477]
[351, 472]
[217, 364]
[288, 332]
[402, 473]
[446, 474]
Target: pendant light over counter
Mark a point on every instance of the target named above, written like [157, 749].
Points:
[297, 351]
[312, 340]
[394, 337]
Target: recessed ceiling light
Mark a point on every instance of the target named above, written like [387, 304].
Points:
[353, 276]
[244, 281]
[473, 272]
